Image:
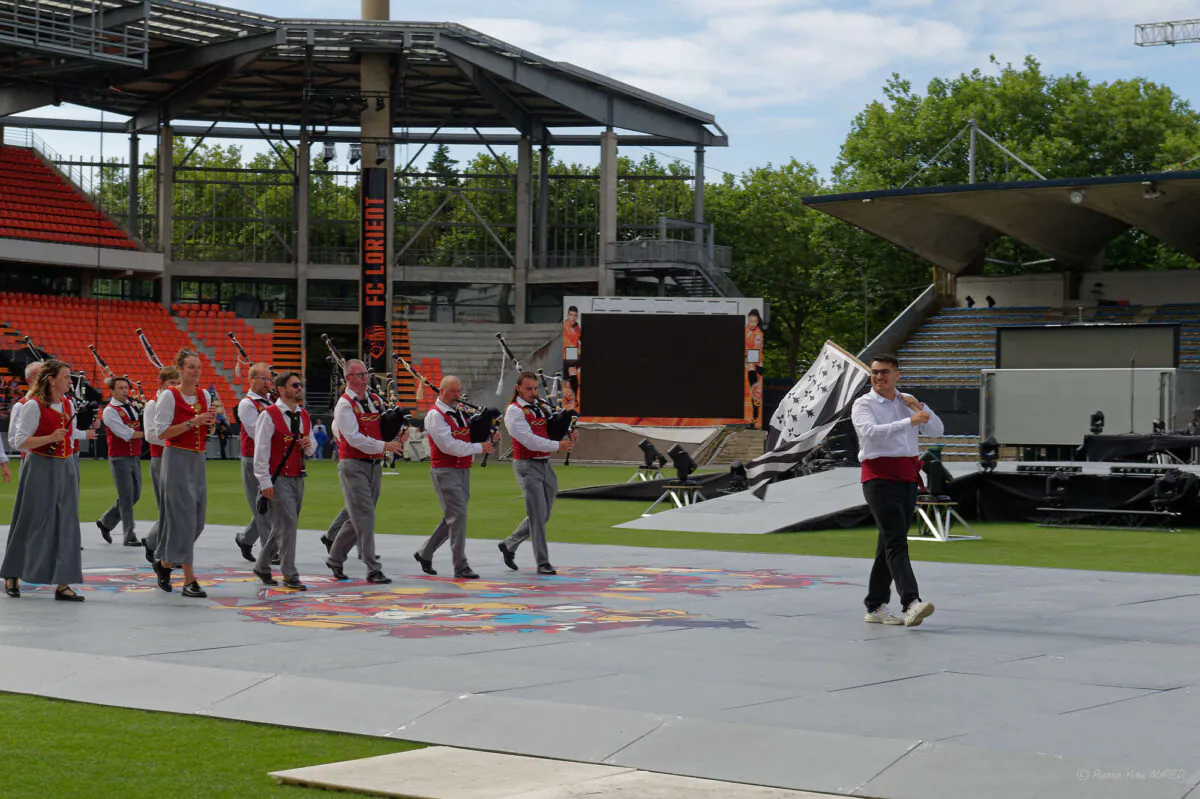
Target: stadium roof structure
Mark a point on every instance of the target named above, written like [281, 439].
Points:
[1070, 220]
[160, 60]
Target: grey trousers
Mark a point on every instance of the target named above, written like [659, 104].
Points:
[338, 521]
[258, 526]
[453, 487]
[285, 519]
[156, 484]
[540, 486]
[127, 474]
[361, 480]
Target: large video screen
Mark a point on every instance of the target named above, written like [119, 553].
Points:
[651, 365]
[1151, 346]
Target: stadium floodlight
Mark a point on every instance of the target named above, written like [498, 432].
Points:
[355, 153]
[329, 153]
[684, 465]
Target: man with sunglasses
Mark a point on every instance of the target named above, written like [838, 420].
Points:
[255, 402]
[360, 471]
[888, 424]
[283, 437]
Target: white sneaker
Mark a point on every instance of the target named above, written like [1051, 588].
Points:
[881, 615]
[916, 612]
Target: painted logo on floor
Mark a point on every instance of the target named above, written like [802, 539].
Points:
[578, 600]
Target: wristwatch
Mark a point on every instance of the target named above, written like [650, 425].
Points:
[189, 424]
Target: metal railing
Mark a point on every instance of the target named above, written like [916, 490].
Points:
[711, 262]
[49, 28]
[75, 172]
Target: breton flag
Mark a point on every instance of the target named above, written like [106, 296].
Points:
[809, 411]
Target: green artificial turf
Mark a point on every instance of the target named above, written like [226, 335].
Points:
[67, 749]
[409, 506]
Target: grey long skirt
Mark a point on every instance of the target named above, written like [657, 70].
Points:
[43, 541]
[184, 488]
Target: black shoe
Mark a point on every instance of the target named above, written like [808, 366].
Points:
[465, 573]
[193, 589]
[426, 565]
[12, 587]
[294, 584]
[510, 557]
[105, 533]
[378, 577]
[164, 575]
[132, 541]
[338, 574]
[328, 542]
[276, 561]
[546, 568]
[67, 595]
[265, 577]
[247, 549]
[149, 552]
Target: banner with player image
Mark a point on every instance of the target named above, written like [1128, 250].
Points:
[664, 361]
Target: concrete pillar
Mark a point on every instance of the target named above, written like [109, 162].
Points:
[300, 219]
[543, 208]
[524, 250]
[132, 214]
[698, 197]
[165, 175]
[608, 211]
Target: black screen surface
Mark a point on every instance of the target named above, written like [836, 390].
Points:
[689, 367]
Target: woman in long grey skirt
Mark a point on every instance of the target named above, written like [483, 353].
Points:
[43, 539]
[182, 420]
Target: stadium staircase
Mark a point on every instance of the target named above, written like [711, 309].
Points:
[38, 203]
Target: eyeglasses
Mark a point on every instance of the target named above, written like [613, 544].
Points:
[356, 374]
[880, 372]
[295, 385]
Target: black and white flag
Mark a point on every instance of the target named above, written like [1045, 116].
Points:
[809, 411]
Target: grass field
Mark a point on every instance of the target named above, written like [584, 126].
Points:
[408, 506]
[71, 749]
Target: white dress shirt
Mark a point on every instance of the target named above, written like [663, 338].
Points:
[438, 430]
[522, 433]
[884, 427]
[164, 414]
[264, 429]
[347, 425]
[148, 424]
[114, 422]
[247, 413]
[13, 421]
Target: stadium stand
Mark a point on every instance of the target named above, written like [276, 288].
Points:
[38, 203]
[209, 325]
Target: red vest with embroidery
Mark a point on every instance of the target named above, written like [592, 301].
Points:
[368, 425]
[52, 420]
[538, 425]
[118, 447]
[441, 460]
[247, 442]
[195, 439]
[283, 439]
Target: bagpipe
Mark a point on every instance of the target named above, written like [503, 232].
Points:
[243, 358]
[137, 404]
[149, 349]
[483, 424]
[85, 408]
[560, 421]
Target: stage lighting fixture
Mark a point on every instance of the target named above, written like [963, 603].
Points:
[684, 465]
[380, 156]
[380, 103]
[1159, 427]
[329, 152]
[1152, 192]
[937, 476]
[1076, 196]
[1056, 489]
[989, 454]
[651, 457]
[355, 153]
[738, 480]
[1097, 423]
[970, 301]
[991, 301]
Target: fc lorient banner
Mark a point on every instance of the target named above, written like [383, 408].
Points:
[809, 411]
[373, 252]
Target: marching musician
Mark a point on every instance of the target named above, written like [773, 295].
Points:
[43, 539]
[254, 403]
[282, 436]
[123, 429]
[182, 420]
[168, 376]
[526, 420]
[360, 457]
[31, 374]
[452, 454]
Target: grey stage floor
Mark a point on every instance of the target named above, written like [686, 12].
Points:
[742, 667]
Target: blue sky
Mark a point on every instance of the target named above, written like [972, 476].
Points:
[786, 77]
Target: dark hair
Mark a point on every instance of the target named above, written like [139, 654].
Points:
[182, 356]
[522, 377]
[888, 358]
[112, 382]
[282, 378]
[754, 312]
[573, 308]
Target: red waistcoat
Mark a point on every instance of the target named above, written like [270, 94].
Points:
[52, 420]
[283, 439]
[195, 439]
[538, 425]
[368, 425]
[247, 442]
[118, 447]
[897, 470]
[441, 460]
